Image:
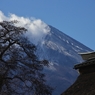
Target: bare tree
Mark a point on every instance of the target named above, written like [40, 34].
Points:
[20, 69]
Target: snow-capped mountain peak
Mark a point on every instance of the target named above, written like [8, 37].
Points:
[62, 53]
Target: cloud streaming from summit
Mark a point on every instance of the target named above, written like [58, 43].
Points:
[37, 29]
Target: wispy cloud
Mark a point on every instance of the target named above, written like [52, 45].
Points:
[37, 29]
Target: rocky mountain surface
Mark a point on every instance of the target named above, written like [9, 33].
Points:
[62, 53]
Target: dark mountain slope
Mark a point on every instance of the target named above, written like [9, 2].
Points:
[62, 53]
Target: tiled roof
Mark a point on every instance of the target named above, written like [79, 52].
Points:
[85, 63]
[87, 55]
[84, 85]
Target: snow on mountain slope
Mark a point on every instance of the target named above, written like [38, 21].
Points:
[55, 46]
[62, 53]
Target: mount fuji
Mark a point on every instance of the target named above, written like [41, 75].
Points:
[58, 48]
[62, 53]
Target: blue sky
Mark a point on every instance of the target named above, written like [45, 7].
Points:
[75, 18]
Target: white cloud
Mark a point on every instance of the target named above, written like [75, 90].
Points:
[37, 29]
[2, 17]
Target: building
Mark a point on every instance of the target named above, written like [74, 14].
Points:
[85, 83]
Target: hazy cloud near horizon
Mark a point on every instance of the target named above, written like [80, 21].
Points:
[37, 29]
